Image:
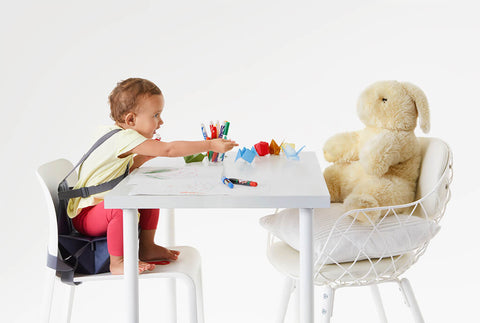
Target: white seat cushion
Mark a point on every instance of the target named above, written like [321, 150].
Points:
[350, 240]
[286, 260]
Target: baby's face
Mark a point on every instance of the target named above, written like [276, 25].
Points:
[147, 116]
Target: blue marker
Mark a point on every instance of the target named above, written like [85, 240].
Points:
[222, 128]
[204, 132]
[227, 182]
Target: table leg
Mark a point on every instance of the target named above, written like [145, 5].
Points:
[130, 254]
[168, 225]
[306, 265]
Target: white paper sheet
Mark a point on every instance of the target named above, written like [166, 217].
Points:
[171, 180]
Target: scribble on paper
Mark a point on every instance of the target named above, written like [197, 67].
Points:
[195, 179]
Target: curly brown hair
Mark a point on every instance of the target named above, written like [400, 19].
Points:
[125, 95]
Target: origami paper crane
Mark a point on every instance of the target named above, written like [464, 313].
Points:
[274, 148]
[246, 154]
[289, 151]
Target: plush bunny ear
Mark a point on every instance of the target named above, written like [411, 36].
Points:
[421, 103]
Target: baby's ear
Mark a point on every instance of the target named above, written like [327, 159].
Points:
[421, 103]
[130, 119]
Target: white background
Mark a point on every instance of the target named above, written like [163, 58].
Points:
[276, 69]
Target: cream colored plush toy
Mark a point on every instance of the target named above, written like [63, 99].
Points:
[379, 165]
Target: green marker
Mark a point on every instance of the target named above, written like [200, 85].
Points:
[225, 133]
[225, 130]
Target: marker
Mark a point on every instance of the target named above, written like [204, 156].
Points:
[215, 157]
[204, 132]
[225, 129]
[222, 128]
[227, 182]
[224, 135]
[242, 182]
[213, 130]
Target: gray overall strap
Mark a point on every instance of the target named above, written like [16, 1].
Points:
[90, 190]
[67, 271]
[95, 146]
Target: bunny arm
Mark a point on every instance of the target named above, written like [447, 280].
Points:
[384, 150]
[342, 147]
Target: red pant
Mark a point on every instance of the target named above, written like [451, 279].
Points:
[97, 221]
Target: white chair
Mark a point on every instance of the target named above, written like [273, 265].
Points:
[351, 254]
[186, 268]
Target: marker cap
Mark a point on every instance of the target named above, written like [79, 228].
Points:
[227, 182]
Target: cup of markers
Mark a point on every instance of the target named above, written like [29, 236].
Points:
[217, 130]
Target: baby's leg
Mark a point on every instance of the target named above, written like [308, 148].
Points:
[148, 250]
[97, 221]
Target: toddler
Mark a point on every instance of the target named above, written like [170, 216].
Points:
[136, 105]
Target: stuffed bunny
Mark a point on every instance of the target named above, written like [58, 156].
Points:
[379, 165]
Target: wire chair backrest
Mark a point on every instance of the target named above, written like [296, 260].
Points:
[433, 194]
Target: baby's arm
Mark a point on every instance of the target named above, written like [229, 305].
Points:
[139, 160]
[154, 148]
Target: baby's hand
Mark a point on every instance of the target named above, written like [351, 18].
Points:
[222, 145]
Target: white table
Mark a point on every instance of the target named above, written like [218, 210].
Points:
[283, 183]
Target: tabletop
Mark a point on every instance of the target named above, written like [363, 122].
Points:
[171, 183]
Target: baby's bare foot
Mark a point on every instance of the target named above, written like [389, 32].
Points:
[116, 266]
[156, 252]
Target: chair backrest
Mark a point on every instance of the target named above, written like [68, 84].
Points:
[435, 176]
[49, 176]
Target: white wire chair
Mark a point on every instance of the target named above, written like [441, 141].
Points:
[433, 194]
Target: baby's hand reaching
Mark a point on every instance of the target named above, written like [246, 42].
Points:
[222, 145]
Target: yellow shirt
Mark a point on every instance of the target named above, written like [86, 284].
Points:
[104, 165]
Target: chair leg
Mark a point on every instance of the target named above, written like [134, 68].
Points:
[71, 295]
[288, 287]
[48, 295]
[410, 300]
[295, 298]
[192, 299]
[199, 296]
[326, 300]
[378, 303]
[170, 293]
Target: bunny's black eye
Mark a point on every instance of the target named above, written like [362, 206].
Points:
[384, 100]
